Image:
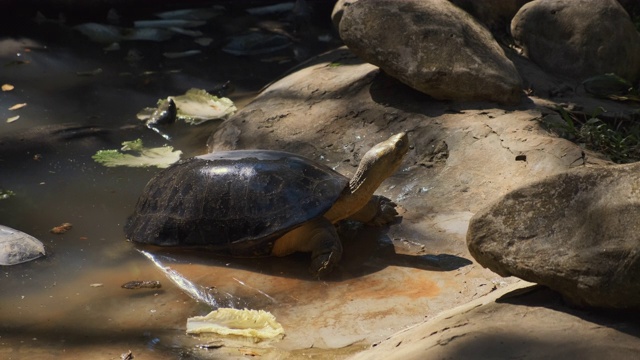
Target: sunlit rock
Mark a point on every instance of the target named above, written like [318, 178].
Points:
[432, 46]
[577, 233]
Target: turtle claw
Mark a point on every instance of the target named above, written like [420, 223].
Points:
[322, 265]
[387, 212]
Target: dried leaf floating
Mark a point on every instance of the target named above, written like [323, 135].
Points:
[63, 228]
[13, 118]
[18, 106]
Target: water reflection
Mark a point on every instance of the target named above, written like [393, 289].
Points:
[208, 295]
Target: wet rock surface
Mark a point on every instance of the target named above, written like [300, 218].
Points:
[434, 47]
[575, 232]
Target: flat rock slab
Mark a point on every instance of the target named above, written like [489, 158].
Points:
[515, 322]
[577, 233]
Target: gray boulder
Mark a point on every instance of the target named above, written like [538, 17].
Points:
[579, 38]
[577, 233]
[432, 46]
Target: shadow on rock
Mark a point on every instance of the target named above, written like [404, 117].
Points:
[541, 296]
[388, 91]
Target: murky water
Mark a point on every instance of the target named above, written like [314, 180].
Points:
[70, 304]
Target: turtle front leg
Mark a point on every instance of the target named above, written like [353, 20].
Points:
[319, 237]
[379, 211]
[327, 248]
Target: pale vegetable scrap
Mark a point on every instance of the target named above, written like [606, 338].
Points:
[7, 87]
[195, 107]
[256, 324]
[140, 156]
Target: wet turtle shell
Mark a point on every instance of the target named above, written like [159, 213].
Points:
[238, 202]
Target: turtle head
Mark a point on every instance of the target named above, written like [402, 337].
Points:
[379, 163]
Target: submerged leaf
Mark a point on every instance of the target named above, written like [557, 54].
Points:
[609, 86]
[161, 157]
[256, 43]
[5, 194]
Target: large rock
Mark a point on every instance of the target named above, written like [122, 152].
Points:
[579, 38]
[432, 46]
[577, 233]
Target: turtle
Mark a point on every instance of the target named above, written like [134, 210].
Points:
[252, 203]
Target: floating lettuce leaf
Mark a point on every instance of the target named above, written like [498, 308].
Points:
[256, 324]
[196, 106]
[140, 156]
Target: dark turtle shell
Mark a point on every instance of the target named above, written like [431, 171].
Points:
[236, 202]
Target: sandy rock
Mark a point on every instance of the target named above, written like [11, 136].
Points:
[432, 46]
[577, 233]
[579, 38]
